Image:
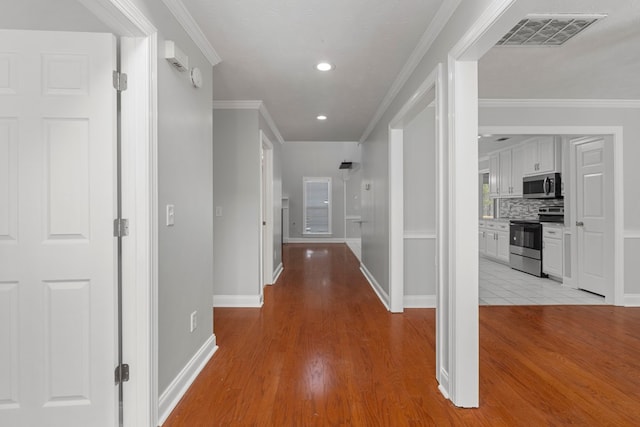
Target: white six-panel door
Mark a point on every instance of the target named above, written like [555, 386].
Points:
[57, 250]
[594, 244]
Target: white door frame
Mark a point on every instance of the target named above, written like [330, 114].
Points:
[415, 104]
[266, 205]
[139, 56]
[616, 292]
[462, 308]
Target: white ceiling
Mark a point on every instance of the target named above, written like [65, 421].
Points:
[269, 49]
[602, 62]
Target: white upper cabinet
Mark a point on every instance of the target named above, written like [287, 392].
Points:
[505, 183]
[517, 166]
[541, 155]
[510, 168]
[494, 176]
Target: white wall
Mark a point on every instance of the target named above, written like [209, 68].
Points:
[316, 159]
[236, 190]
[626, 118]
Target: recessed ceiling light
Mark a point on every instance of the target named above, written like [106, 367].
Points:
[321, 117]
[324, 66]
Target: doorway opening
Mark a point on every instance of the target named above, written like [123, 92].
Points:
[266, 214]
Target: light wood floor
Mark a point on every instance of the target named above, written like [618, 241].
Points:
[323, 351]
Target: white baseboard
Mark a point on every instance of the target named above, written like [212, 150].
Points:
[171, 396]
[356, 247]
[382, 295]
[276, 274]
[419, 301]
[632, 300]
[444, 384]
[237, 301]
[314, 240]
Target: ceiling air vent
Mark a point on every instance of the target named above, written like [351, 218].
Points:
[547, 30]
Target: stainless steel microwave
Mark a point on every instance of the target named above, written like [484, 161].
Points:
[547, 186]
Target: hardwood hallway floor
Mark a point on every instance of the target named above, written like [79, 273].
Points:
[323, 351]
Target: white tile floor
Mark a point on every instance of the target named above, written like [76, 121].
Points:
[501, 285]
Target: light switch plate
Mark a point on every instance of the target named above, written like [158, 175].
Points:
[170, 215]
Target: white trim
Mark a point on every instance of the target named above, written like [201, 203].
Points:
[237, 105]
[182, 15]
[462, 312]
[559, 103]
[321, 142]
[251, 105]
[444, 384]
[237, 301]
[396, 179]
[396, 217]
[181, 383]
[436, 25]
[272, 125]
[265, 224]
[355, 244]
[139, 163]
[419, 235]
[632, 234]
[420, 301]
[618, 182]
[632, 300]
[139, 144]
[122, 16]
[278, 271]
[315, 240]
[382, 295]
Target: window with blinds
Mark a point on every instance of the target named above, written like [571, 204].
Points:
[317, 205]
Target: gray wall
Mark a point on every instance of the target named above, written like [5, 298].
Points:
[419, 207]
[317, 159]
[375, 149]
[185, 180]
[236, 189]
[628, 119]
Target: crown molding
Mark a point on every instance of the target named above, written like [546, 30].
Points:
[438, 22]
[321, 142]
[180, 12]
[120, 15]
[272, 125]
[559, 103]
[251, 105]
[237, 105]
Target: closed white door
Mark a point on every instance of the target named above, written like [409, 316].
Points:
[592, 214]
[57, 250]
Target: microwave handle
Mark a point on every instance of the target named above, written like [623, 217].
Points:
[546, 186]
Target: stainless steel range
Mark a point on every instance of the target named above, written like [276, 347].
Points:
[525, 240]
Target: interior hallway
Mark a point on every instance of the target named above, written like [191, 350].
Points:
[323, 351]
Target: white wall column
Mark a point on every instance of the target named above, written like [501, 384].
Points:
[463, 249]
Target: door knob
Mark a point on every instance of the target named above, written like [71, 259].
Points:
[579, 224]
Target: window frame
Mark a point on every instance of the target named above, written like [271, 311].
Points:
[327, 181]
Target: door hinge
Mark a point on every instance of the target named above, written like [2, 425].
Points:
[122, 373]
[119, 81]
[120, 227]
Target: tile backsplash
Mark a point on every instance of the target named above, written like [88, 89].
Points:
[525, 208]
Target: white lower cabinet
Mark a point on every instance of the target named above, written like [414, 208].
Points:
[552, 250]
[494, 239]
